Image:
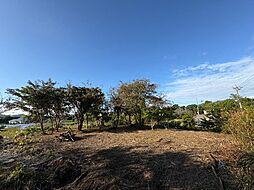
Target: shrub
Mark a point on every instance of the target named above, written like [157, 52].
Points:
[241, 126]
[214, 121]
[187, 122]
[31, 130]
[246, 164]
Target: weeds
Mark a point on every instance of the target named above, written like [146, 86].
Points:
[241, 126]
[19, 177]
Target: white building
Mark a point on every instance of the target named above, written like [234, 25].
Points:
[18, 121]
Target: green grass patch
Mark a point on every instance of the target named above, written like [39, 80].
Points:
[10, 133]
[30, 130]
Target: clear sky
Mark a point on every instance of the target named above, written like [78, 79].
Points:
[194, 49]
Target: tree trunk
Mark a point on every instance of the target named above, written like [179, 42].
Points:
[41, 117]
[117, 118]
[140, 119]
[57, 126]
[129, 119]
[57, 123]
[87, 120]
[80, 123]
[136, 119]
[52, 123]
[42, 127]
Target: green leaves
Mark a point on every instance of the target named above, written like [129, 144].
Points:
[84, 100]
[45, 101]
[36, 98]
[133, 98]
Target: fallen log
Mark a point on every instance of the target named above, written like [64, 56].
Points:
[67, 136]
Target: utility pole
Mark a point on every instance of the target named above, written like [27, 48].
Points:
[237, 89]
[197, 106]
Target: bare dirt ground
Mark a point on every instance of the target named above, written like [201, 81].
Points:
[125, 159]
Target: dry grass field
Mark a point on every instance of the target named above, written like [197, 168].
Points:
[124, 159]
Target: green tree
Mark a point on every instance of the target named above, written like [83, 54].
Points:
[35, 98]
[180, 111]
[133, 98]
[59, 106]
[192, 109]
[187, 121]
[116, 103]
[220, 106]
[154, 115]
[156, 110]
[1, 104]
[97, 100]
[84, 101]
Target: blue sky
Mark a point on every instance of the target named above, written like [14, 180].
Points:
[193, 49]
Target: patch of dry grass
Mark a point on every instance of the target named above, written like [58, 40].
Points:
[135, 159]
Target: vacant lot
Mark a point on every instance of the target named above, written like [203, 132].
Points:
[124, 159]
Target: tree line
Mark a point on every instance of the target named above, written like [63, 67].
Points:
[44, 101]
[130, 103]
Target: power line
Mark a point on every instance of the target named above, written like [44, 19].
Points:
[247, 80]
[247, 91]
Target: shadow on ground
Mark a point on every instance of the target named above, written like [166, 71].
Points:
[117, 168]
[133, 128]
[120, 129]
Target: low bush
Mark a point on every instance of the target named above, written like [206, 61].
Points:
[171, 124]
[187, 122]
[10, 133]
[241, 126]
[31, 130]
